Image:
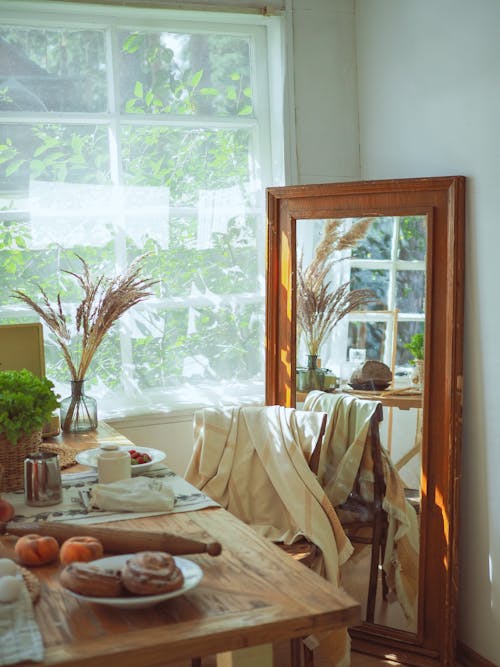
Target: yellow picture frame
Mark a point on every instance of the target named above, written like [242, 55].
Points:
[21, 346]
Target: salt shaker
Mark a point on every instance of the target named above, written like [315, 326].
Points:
[42, 479]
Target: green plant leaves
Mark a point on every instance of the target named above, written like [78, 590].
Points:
[26, 403]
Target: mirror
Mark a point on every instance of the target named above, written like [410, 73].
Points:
[365, 296]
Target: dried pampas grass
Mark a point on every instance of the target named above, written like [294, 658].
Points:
[319, 308]
[104, 302]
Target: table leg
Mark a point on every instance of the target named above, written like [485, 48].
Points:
[254, 656]
[417, 445]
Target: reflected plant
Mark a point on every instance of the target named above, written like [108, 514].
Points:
[416, 347]
[319, 306]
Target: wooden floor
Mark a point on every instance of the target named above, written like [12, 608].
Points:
[282, 659]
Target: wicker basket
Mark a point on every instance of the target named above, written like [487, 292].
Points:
[12, 460]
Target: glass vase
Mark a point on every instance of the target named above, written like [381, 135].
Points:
[78, 411]
[312, 362]
[315, 377]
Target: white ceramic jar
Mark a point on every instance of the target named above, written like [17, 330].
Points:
[113, 465]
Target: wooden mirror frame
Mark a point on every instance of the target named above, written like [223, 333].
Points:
[442, 200]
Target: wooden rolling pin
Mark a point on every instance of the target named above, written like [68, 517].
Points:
[116, 541]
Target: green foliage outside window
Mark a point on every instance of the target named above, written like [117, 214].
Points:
[207, 313]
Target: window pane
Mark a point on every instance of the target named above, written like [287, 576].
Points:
[174, 73]
[56, 153]
[369, 336]
[410, 286]
[412, 237]
[186, 160]
[376, 280]
[377, 242]
[52, 70]
[405, 332]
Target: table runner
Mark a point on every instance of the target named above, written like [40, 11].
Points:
[187, 498]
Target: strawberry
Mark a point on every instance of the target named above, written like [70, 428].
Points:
[139, 457]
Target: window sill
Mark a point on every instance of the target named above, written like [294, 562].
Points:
[167, 408]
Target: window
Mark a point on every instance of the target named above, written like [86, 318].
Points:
[128, 131]
[390, 261]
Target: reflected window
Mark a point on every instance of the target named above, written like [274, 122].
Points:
[389, 260]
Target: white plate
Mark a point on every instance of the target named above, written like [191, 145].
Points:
[192, 572]
[89, 457]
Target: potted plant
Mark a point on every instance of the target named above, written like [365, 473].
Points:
[416, 347]
[26, 404]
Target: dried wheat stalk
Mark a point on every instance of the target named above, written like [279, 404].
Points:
[319, 308]
[104, 301]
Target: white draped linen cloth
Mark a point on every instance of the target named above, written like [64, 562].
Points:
[342, 455]
[251, 460]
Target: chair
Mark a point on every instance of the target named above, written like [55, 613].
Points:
[365, 521]
[305, 552]
[364, 486]
[272, 451]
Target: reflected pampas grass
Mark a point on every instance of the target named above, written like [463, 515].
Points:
[319, 307]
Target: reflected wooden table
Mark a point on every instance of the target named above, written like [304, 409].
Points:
[404, 400]
[251, 595]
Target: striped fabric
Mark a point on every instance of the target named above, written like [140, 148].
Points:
[251, 460]
[342, 455]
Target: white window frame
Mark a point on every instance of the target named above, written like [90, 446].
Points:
[266, 127]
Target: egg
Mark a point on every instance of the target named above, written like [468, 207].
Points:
[7, 566]
[10, 588]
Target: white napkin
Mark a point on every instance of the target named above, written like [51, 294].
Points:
[138, 494]
[20, 637]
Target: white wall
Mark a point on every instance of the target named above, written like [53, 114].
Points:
[173, 435]
[429, 105]
[326, 121]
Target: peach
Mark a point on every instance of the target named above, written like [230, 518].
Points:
[7, 511]
[80, 549]
[36, 549]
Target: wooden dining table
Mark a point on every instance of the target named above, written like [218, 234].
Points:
[250, 596]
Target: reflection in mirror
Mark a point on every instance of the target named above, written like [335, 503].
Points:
[410, 257]
[360, 330]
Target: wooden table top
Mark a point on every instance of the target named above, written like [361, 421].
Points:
[404, 400]
[90, 439]
[253, 593]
